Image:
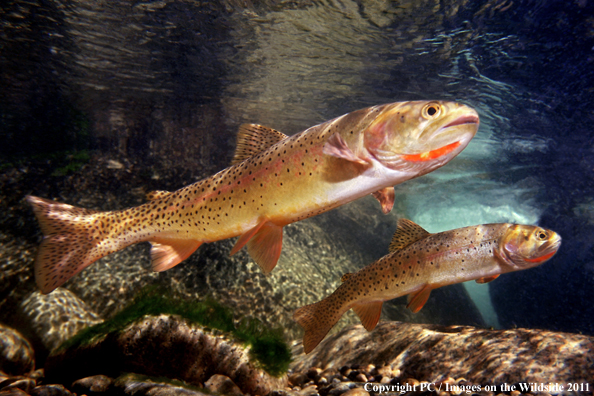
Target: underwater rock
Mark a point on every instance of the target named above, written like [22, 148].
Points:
[50, 390]
[356, 392]
[16, 355]
[433, 353]
[57, 316]
[138, 385]
[24, 384]
[93, 385]
[13, 392]
[164, 346]
[222, 384]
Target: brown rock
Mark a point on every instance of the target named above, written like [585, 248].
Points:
[222, 384]
[310, 390]
[385, 380]
[356, 392]
[37, 375]
[481, 356]
[297, 379]
[13, 392]
[370, 370]
[50, 390]
[26, 384]
[163, 346]
[386, 371]
[135, 385]
[314, 373]
[361, 377]
[57, 316]
[92, 385]
[16, 355]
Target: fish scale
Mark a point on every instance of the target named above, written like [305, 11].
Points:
[420, 262]
[274, 180]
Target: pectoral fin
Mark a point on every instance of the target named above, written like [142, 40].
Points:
[487, 279]
[417, 300]
[264, 243]
[337, 147]
[385, 196]
[369, 313]
[167, 253]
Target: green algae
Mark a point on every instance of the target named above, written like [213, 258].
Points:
[268, 348]
[71, 162]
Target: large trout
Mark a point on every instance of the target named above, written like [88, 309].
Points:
[274, 180]
[419, 262]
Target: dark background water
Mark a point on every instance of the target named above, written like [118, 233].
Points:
[166, 83]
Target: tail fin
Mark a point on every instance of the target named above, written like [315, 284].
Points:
[317, 319]
[70, 242]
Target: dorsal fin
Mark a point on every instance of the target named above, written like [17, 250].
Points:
[156, 195]
[253, 139]
[346, 276]
[407, 232]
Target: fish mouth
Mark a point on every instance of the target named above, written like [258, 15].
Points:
[448, 148]
[466, 119]
[548, 251]
[431, 155]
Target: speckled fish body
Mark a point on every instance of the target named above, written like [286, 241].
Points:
[275, 180]
[420, 262]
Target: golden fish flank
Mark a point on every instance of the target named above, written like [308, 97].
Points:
[274, 180]
[419, 262]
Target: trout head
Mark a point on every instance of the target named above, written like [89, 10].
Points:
[418, 137]
[524, 246]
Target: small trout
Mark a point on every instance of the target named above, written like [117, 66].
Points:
[274, 180]
[419, 262]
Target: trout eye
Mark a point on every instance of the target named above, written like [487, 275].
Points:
[431, 111]
[541, 235]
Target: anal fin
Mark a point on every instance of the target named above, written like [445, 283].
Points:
[265, 247]
[487, 279]
[166, 253]
[264, 243]
[417, 300]
[385, 197]
[369, 313]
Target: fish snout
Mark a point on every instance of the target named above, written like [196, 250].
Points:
[445, 137]
[529, 246]
[460, 124]
[553, 244]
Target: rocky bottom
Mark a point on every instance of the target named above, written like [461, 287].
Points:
[347, 381]
[395, 359]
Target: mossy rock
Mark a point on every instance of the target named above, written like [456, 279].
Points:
[189, 340]
[167, 346]
[268, 350]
